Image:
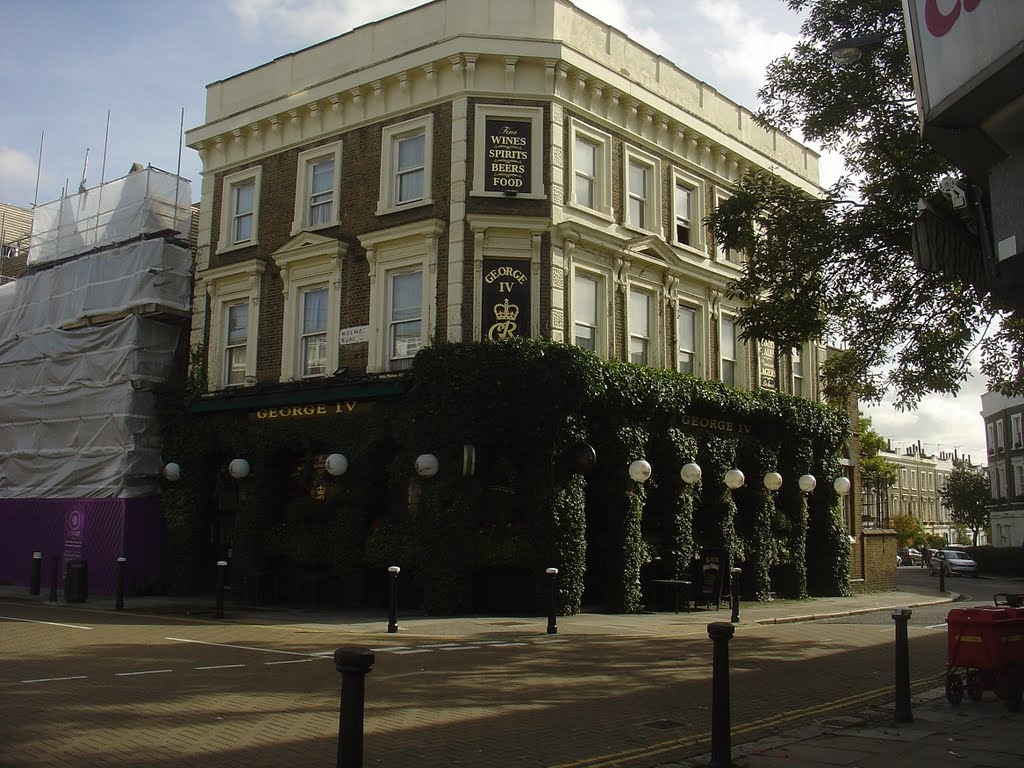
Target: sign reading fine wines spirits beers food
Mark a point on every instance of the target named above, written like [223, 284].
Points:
[508, 148]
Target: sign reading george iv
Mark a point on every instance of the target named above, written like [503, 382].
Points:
[505, 298]
[508, 147]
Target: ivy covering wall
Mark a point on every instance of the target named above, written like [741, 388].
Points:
[482, 538]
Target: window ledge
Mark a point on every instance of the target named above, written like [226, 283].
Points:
[384, 211]
[517, 196]
[597, 213]
[237, 246]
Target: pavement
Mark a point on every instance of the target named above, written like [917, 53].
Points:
[862, 734]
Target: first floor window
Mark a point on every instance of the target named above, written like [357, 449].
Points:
[639, 327]
[728, 351]
[798, 372]
[237, 339]
[687, 340]
[314, 332]
[405, 323]
[585, 292]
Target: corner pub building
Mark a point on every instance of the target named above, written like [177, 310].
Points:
[466, 171]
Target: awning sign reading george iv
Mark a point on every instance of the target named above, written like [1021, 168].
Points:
[505, 297]
[508, 148]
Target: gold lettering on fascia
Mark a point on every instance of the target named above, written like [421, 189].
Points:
[720, 424]
[297, 411]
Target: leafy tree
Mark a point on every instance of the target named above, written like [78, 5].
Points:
[841, 265]
[909, 530]
[874, 469]
[967, 497]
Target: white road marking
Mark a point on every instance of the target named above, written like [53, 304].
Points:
[222, 666]
[243, 647]
[55, 679]
[414, 650]
[390, 648]
[459, 648]
[144, 672]
[288, 661]
[51, 623]
[502, 645]
[936, 626]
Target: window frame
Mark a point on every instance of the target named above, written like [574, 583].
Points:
[306, 334]
[229, 184]
[652, 195]
[1017, 430]
[228, 286]
[651, 338]
[392, 361]
[307, 160]
[698, 240]
[602, 143]
[1000, 436]
[306, 262]
[390, 251]
[798, 355]
[741, 373]
[229, 348]
[729, 256]
[391, 137]
[698, 325]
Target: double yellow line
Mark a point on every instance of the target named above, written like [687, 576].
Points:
[616, 758]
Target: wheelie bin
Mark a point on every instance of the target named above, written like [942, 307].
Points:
[987, 646]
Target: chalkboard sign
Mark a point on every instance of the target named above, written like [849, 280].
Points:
[712, 567]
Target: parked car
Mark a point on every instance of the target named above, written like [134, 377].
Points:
[954, 563]
[909, 556]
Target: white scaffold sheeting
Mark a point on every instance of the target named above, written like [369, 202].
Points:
[76, 417]
[98, 285]
[148, 201]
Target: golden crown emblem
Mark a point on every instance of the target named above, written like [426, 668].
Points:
[506, 312]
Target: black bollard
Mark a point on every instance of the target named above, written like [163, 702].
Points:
[54, 563]
[721, 737]
[119, 604]
[219, 612]
[35, 573]
[393, 572]
[901, 616]
[353, 664]
[942, 577]
[553, 603]
[734, 588]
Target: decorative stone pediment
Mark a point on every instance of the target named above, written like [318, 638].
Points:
[654, 249]
[307, 245]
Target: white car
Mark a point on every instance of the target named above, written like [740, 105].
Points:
[953, 562]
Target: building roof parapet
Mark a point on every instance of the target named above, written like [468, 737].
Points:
[449, 46]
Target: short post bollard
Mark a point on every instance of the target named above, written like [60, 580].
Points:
[393, 572]
[942, 577]
[221, 566]
[353, 664]
[35, 573]
[553, 602]
[54, 564]
[721, 736]
[119, 603]
[901, 616]
[734, 589]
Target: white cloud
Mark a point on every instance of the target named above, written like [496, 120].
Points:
[631, 18]
[940, 422]
[309, 21]
[741, 48]
[17, 175]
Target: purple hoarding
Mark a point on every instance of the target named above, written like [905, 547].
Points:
[95, 530]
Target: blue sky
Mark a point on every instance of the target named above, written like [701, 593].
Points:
[67, 62]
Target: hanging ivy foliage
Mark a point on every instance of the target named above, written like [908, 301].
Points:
[523, 406]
